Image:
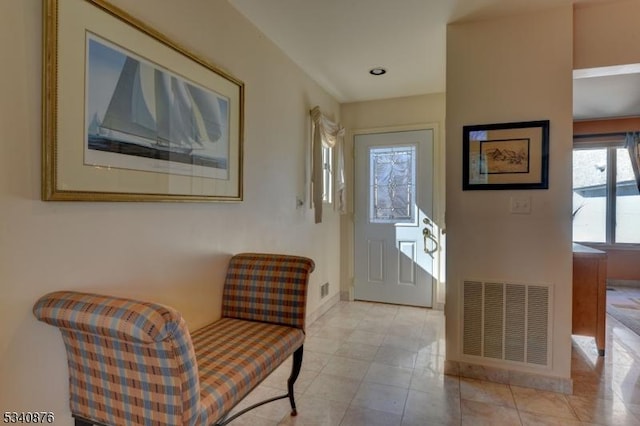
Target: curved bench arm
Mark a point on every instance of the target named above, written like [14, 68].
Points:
[130, 362]
[113, 317]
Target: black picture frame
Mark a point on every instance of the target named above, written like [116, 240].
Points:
[504, 156]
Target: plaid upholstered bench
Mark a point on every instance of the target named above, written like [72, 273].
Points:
[136, 363]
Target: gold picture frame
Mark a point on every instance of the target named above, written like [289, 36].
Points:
[506, 156]
[155, 122]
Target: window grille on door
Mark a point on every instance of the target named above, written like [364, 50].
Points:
[392, 186]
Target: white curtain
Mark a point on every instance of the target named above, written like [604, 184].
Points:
[633, 145]
[328, 134]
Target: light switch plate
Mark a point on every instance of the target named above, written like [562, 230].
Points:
[520, 205]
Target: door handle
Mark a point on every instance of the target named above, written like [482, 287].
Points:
[428, 236]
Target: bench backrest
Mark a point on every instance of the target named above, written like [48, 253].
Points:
[267, 287]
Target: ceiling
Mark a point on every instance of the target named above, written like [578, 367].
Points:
[337, 42]
[606, 92]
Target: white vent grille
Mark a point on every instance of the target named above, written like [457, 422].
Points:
[506, 321]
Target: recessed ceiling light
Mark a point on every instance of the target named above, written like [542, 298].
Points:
[377, 71]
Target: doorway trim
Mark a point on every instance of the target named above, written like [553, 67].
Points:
[348, 224]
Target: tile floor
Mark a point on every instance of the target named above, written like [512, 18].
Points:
[374, 364]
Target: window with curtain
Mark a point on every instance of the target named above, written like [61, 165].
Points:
[327, 164]
[606, 195]
[327, 174]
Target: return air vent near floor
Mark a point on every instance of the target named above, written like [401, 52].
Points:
[324, 290]
[507, 321]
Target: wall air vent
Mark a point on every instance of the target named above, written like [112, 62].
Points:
[508, 322]
[324, 290]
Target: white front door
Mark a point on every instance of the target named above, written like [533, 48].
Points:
[394, 242]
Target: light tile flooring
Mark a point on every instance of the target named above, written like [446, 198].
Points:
[374, 364]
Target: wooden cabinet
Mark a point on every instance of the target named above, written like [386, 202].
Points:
[590, 294]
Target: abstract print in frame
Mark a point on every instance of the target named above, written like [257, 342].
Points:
[157, 123]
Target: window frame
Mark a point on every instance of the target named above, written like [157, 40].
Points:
[327, 174]
[610, 142]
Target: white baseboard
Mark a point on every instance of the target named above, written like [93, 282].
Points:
[509, 377]
[322, 309]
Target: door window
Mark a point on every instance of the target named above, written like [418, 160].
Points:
[392, 187]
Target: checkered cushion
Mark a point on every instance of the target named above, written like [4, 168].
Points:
[234, 356]
[267, 287]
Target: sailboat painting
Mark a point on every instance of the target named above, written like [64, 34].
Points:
[141, 116]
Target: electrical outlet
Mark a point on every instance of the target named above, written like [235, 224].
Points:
[520, 205]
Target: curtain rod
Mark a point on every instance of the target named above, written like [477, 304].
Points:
[601, 135]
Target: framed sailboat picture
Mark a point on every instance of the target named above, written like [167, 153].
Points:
[131, 116]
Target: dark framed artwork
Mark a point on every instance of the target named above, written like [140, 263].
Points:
[506, 156]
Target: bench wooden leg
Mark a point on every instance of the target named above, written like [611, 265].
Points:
[295, 370]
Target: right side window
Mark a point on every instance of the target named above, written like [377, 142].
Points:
[606, 200]
[627, 203]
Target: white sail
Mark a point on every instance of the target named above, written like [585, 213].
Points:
[128, 112]
[153, 108]
[143, 96]
[209, 114]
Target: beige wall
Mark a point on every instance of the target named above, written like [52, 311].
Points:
[170, 253]
[606, 33]
[511, 69]
[394, 114]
